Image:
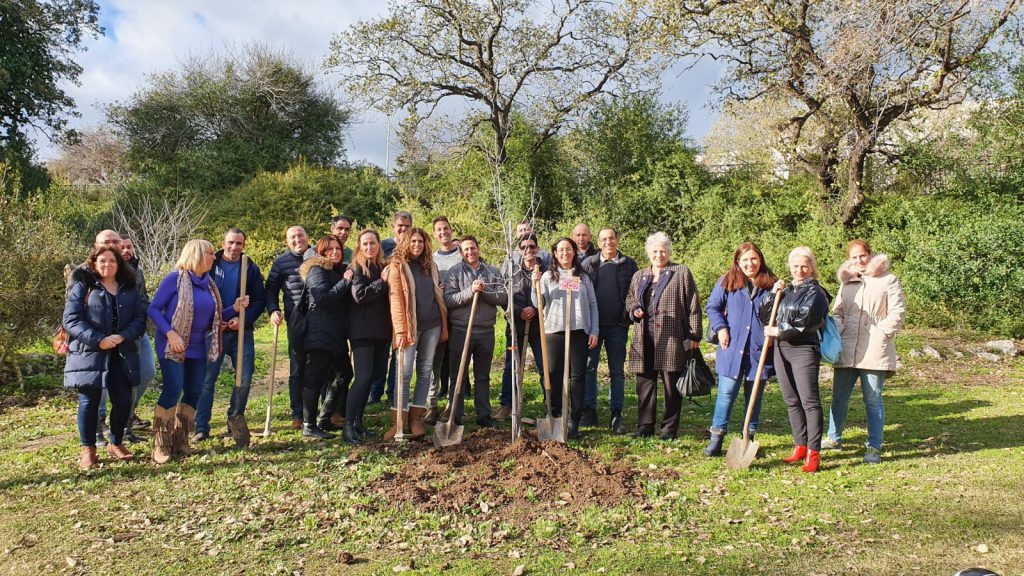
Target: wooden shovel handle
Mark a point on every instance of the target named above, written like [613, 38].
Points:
[242, 271]
[543, 334]
[760, 368]
[462, 361]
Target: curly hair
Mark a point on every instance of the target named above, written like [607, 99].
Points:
[402, 253]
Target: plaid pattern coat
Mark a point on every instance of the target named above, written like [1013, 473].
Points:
[675, 320]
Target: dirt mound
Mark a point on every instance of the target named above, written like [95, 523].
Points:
[486, 471]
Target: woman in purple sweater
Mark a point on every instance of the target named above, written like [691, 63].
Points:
[188, 314]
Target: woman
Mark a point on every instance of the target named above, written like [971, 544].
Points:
[104, 316]
[732, 315]
[801, 314]
[188, 314]
[420, 322]
[328, 287]
[665, 309]
[869, 310]
[584, 327]
[369, 330]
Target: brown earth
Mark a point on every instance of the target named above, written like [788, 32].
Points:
[486, 472]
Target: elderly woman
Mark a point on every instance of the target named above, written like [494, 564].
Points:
[582, 334]
[420, 322]
[732, 315]
[869, 310]
[328, 288]
[105, 314]
[188, 313]
[665, 309]
[801, 315]
[369, 330]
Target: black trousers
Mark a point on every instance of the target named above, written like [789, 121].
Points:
[119, 388]
[370, 362]
[797, 369]
[578, 354]
[481, 352]
[647, 400]
[342, 378]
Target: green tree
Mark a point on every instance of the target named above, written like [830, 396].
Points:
[218, 120]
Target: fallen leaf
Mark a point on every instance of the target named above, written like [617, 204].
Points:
[981, 548]
[520, 570]
[71, 561]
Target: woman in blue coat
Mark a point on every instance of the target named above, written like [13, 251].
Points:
[104, 316]
[732, 316]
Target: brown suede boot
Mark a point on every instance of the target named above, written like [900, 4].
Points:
[184, 428]
[88, 458]
[393, 431]
[163, 436]
[416, 429]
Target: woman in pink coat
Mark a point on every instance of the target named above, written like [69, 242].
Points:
[869, 310]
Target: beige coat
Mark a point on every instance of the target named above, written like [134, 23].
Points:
[869, 310]
[402, 296]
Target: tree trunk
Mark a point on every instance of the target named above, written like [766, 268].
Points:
[854, 197]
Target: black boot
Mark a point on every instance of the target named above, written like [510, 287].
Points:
[310, 397]
[574, 430]
[351, 435]
[644, 431]
[618, 425]
[715, 443]
[327, 409]
[589, 417]
[364, 434]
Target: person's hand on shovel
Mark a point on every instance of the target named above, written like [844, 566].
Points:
[241, 303]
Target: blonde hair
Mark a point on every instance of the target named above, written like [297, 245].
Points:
[360, 260]
[804, 252]
[193, 254]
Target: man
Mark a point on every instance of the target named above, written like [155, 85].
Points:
[227, 275]
[581, 235]
[610, 272]
[525, 228]
[341, 228]
[523, 311]
[284, 278]
[446, 257]
[464, 280]
[147, 361]
[401, 223]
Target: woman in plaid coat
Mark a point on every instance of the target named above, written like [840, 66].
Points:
[665, 309]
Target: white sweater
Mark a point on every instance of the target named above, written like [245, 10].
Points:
[584, 305]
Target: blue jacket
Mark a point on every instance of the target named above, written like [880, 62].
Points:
[88, 322]
[253, 287]
[737, 311]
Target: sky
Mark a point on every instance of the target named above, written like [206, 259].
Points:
[142, 37]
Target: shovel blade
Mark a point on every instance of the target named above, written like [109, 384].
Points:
[445, 435]
[741, 454]
[239, 430]
[550, 429]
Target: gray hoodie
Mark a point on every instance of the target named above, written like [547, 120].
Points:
[458, 296]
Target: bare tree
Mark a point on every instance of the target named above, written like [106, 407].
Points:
[545, 60]
[159, 228]
[95, 158]
[850, 67]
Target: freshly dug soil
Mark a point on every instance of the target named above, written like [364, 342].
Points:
[486, 471]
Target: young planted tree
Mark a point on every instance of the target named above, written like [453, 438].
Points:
[851, 69]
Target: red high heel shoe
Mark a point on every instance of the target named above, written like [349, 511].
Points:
[799, 454]
[813, 461]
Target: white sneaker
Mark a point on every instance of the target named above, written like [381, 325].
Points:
[830, 444]
[872, 456]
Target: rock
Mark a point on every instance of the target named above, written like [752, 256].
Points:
[520, 570]
[988, 356]
[1004, 347]
[931, 352]
[915, 353]
[958, 354]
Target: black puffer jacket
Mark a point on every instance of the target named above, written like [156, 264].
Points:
[801, 312]
[370, 314]
[329, 294]
[89, 318]
[284, 277]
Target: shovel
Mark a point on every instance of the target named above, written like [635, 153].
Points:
[548, 428]
[400, 396]
[237, 425]
[447, 433]
[743, 451]
[517, 384]
[565, 367]
[273, 377]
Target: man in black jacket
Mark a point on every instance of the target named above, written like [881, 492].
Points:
[610, 272]
[284, 278]
[226, 274]
[523, 311]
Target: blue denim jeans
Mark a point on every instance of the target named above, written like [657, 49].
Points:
[418, 358]
[728, 390]
[182, 382]
[506, 376]
[614, 340]
[871, 382]
[239, 396]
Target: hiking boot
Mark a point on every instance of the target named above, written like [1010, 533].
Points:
[828, 443]
[101, 440]
[503, 413]
[872, 456]
[589, 417]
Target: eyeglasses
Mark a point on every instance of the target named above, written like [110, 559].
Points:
[530, 247]
[342, 228]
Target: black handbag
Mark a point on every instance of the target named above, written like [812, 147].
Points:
[698, 379]
[711, 337]
[298, 320]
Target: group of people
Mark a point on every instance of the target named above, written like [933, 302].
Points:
[362, 322]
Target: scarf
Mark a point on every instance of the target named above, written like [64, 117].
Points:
[181, 321]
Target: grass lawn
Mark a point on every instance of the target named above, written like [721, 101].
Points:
[948, 495]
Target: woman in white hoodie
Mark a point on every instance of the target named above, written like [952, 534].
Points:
[869, 310]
